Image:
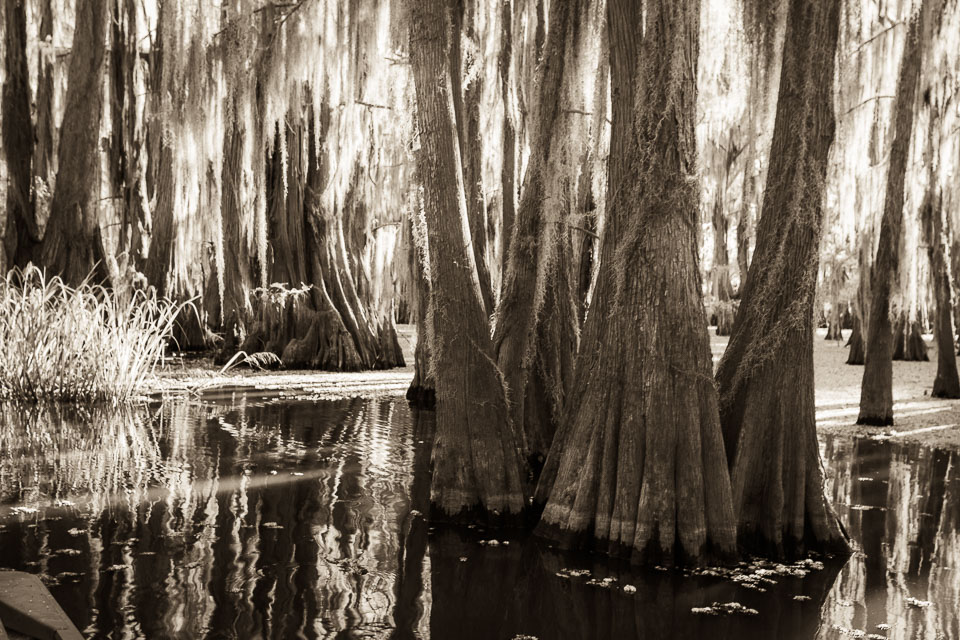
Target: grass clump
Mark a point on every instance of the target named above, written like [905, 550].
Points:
[77, 344]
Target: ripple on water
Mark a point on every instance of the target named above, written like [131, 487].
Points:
[251, 515]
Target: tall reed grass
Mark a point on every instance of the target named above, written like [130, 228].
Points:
[77, 344]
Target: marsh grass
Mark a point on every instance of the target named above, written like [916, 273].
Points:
[77, 344]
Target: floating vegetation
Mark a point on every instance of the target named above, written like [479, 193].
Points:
[918, 604]
[724, 608]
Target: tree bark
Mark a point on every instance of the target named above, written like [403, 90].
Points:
[876, 389]
[638, 466]
[72, 245]
[44, 160]
[465, 62]
[766, 374]
[536, 268]
[422, 390]
[908, 344]
[22, 235]
[722, 288]
[508, 171]
[476, 461]
[936, 229]
[235, 278]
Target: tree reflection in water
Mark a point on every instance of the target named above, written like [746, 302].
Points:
[237, 515]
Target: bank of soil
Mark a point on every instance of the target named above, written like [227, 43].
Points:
[917, 416]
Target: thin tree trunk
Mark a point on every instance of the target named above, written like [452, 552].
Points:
[638, 467]
[422, 390]
[44, 160]
[722, 288]
[908, 344]
[476, 462]
[21, 235]
[876, 389]
[766, 374]
[72, 245]
[855, 342]
[508, 171]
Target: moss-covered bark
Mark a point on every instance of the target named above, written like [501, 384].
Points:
[638, 466]
[476, 459]
[766, 374]
[876, 390]
[72, 244]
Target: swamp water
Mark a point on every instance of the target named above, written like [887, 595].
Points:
[247, 515]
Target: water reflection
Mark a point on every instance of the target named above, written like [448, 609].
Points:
[901, 503]
[245, 516]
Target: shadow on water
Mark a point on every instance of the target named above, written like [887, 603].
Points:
[239, 515]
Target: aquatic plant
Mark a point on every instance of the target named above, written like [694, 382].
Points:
[77, 344]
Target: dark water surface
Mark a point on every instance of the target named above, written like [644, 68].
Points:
[239, 515]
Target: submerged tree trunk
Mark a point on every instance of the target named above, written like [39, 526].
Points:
[72, 245]
[476, 461]
[21, 235]
[537, 268]
[638, 467]
[876, 389]
[766, 374]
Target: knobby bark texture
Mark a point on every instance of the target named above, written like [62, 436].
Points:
[536, 326]
[638, 468]
[476, 459]
[876, 389]
[22, 235]
[766, 374]
[72, 245]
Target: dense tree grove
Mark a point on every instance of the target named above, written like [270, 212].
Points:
[562, 195]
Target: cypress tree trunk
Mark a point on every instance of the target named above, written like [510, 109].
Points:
[72, 244]
[936, 230]
[422, 390]
[508, 172]
[44, 160]
[876, 390]
[722, 288]
[536, 269]
[21, 235]
[947, 382]
[235, 278]
[476, 462]
[465, 61]
[766, 374]
[908, 344]
[638, 467]
[855, 341]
